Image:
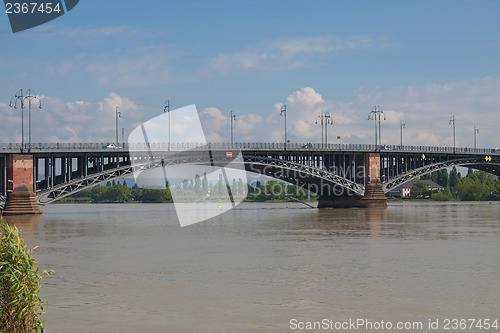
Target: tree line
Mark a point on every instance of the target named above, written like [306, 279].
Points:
[192, 190]
[475, 186]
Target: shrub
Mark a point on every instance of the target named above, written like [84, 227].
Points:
[20, 305]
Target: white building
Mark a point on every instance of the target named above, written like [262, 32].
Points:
[403, 191]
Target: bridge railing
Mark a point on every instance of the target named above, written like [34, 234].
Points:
[180, 146]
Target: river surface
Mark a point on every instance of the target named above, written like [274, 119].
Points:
[262, 267]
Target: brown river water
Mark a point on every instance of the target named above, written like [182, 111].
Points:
[266, 267]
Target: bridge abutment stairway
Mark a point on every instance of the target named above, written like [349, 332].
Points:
[20, 196]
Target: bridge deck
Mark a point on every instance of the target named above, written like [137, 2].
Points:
[11, 148]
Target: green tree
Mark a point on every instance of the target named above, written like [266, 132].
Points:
[204, 184]
[96, 193]
[220, 185]
[454, 178]
[444, 195]
[197, 184]
[116, 193]
[469, 189]
[234, 187]
[240, 186]
[419, 190]
[442, 178]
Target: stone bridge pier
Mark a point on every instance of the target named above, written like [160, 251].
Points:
[374, 195]
[20, 185]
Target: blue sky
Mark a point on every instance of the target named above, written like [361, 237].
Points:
[421, 61]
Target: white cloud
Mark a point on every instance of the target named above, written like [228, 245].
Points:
[77, 121]
[248, 123]
[426, 111]
[213, 120]
[135, 67]
[79, 34]
[286, 53]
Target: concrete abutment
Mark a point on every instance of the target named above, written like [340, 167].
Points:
[374, 196]
[20, 186]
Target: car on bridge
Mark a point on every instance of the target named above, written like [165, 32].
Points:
[112, 146]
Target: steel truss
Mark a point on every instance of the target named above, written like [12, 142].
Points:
[416, 173]
[306, 174]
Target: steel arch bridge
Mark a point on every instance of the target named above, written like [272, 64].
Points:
[59, 170]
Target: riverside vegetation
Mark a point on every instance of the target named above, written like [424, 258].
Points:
[475, 186]
[20, 306]
[189, 190]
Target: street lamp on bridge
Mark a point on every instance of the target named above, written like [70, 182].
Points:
[452, 122]
[19, 96]
[166, 109]
[118, 115]
[233, 117]
[324, 120]
[476, 131]
[375, 114]
[283, 113]
[402, 125]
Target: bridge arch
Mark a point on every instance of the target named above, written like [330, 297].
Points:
[311, 178]
[474, 162]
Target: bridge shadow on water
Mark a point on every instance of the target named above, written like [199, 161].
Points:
[355, 222]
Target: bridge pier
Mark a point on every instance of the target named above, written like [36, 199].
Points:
[20, 186]
[374, 195]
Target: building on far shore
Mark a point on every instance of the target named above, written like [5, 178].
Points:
[404, 191]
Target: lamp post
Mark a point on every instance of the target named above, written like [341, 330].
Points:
[166, 108]
[321, 123]
[283, 113]
[31, 95]
[118, 115]
[233, 117]
[476, 131]
[324, 120]
[19, 96]
[402, 125]
[328, 121]
[452, 121]
[374, 113]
